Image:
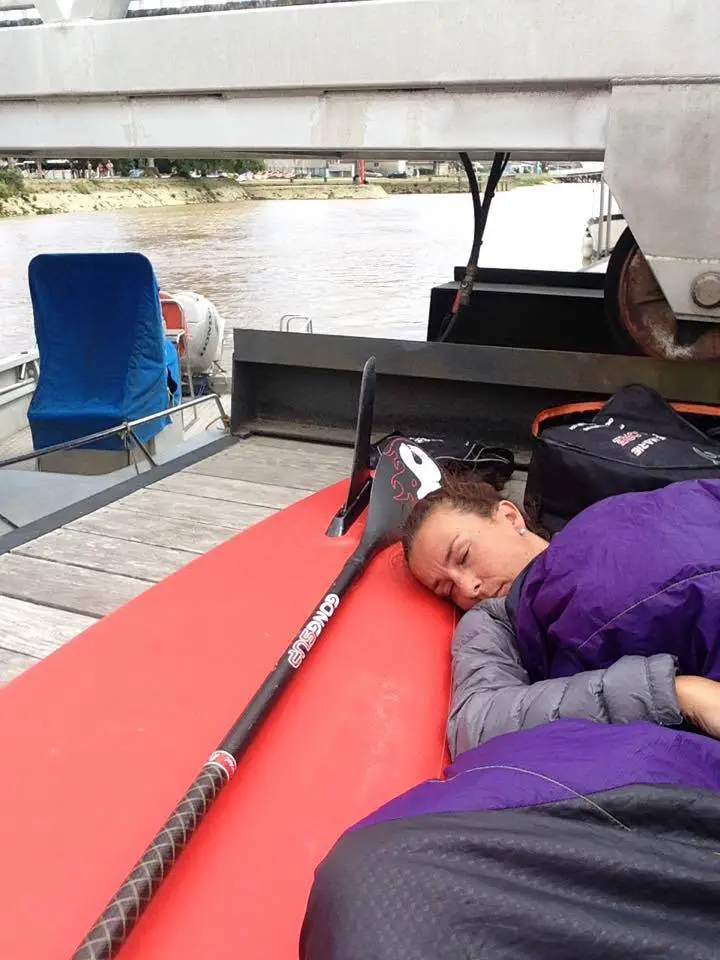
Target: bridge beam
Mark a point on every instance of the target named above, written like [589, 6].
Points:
[343, 124]
[638, 83]
[393, 45]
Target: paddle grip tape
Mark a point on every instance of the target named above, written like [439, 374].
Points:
[113, 927]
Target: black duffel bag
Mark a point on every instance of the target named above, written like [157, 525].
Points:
[636, 441]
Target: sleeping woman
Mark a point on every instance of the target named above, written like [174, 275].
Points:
[616, 620]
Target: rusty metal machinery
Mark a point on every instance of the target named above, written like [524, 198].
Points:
[642, 320]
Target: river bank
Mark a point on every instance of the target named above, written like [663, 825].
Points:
[80, 196]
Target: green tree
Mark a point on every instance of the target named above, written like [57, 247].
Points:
[163, 165]
[203, 166]
[12, 182]
[248, 165]
[123, 166]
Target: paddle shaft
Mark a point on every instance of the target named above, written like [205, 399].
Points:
[113, 927]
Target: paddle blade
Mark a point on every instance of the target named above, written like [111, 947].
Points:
[363, 431]
[404, 475]
[359, 487]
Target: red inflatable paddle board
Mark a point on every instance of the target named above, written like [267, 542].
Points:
[100, 740]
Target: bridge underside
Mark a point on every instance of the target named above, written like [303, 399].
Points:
[405, 77]
[637, 84]
[403, 124]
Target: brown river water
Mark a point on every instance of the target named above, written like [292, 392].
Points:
[357, 267]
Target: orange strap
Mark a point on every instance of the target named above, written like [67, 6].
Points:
[592, 406]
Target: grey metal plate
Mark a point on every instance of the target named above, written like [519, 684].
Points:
[307, 385]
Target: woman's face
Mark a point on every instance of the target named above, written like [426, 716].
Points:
[467, 558]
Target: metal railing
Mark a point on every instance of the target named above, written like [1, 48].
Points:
[17, 386]
[604, 222]
[125, 430]
[289, 318]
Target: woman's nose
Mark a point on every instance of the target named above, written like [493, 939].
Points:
[468, 585]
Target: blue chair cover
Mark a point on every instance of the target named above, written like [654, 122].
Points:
[103, 356]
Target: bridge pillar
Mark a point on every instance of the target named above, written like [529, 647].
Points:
[662, 162]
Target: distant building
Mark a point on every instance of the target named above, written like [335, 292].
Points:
[416, 168]
[434, 168]
[317, 167]
[385, 167]
[310, 167]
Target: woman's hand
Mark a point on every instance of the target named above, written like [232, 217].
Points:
[699, 701]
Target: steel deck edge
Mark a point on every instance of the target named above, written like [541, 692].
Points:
[38, 528]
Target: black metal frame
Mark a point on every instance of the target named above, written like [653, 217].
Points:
[306, 386]
[532, 309]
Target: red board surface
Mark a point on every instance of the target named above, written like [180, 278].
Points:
[99, 741]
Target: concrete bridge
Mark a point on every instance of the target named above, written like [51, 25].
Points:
[637, 84]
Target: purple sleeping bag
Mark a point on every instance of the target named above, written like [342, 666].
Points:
[571, 840]
[633, 574]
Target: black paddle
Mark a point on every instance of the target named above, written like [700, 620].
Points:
[403, 475]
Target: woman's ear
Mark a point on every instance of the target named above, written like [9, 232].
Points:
[509, 513]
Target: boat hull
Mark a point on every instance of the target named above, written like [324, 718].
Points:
[101, 739]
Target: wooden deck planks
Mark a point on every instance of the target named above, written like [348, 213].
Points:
[286, 471]
[13, 664]
[306, 455]
[220, 512]
[154, 529]
[35, 631]
[54, 587]
[307, 450]
[108, 554]
[231, 489]
[284, 463]
[65, 587]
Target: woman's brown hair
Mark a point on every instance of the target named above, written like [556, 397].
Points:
[460, 490]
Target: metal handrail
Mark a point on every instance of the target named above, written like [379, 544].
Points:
[13, 387]
[288, 318]
[126, 428]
